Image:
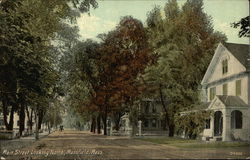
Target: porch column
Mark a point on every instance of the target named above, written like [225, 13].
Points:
[139, 126]
[226, 126]
[111, 127]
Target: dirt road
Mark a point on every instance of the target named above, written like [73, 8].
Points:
[84, 145]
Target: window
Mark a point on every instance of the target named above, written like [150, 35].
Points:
[146, 107]
[153, 109]
[154, 123]
[207, 124]
[17, 122]
[238, 88]
[146, 123]
[236, 119]
[224, 89]
[1, 122]
[224, 66]
[212, 93]
[162, 123]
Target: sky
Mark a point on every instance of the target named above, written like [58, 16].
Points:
[109, 12]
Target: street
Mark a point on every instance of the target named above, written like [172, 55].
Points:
[84, 145]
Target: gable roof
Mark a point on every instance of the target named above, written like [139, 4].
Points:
[232, 101]
[239, 51]
[202, 106]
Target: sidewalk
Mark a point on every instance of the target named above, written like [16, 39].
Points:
[20, 142]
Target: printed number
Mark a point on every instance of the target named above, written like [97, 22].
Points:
[236, 153]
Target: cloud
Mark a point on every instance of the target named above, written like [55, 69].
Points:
[90, 26]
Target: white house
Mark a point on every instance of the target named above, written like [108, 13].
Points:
[16, 123]
[226, 90]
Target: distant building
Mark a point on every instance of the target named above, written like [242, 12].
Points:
[226, 91]
[1, 122]
[16, 122]
[150, 114]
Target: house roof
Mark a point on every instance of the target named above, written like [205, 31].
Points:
[202, 106]
[232, 101]
[240, 51]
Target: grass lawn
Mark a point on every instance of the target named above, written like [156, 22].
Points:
[188, 143]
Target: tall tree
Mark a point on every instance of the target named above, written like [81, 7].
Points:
[28, 71]
[184, 41]
[123, 56]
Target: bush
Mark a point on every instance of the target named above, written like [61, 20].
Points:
[192, 123]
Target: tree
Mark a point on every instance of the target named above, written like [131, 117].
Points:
[83, 78]
[108, 73]
[123, 56]
[192, 123]
[244, 25]
[28, 72]
[184, 42]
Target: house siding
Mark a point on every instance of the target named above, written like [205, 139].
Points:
[234, 67]
[231, 91]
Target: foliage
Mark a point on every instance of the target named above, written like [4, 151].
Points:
[81, 78]
[28, 62]
[102, 78]
[244, 26]
[192, 123]
[123, 56]
[54, 114]
[184, 42]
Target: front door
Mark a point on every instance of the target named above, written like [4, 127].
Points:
[218, 123]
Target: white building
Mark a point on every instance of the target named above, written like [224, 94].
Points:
[16, 123]
[226, 88]
[150, 114]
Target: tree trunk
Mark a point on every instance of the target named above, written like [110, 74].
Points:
[21, 119]
[99, 124]
[171, 130]
[104, 120]
[93, 124]
[117, 119]
[37, 130]
[30, 118]
[5, 113]
[11, 120]
[41, 114]
[134, 129]
[166, 119]
[8, 125]
[49, 127]
[165, 122]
